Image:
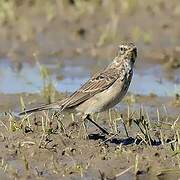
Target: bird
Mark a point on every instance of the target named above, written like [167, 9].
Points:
[102, 91]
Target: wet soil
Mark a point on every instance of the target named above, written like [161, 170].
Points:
[45, 146]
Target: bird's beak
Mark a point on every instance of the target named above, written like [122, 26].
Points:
[135, 52]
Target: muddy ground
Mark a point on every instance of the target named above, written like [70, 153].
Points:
[48, 49]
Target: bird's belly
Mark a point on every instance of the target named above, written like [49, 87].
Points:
[104, 100]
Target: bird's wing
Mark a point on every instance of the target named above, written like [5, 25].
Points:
[96, 84]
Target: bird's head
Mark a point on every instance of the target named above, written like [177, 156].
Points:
[127, 51]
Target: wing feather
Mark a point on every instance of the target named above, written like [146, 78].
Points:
[96, 84]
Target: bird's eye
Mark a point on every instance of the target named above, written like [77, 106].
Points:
[121, 50]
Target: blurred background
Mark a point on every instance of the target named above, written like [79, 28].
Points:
[49, 46]
[48, 49]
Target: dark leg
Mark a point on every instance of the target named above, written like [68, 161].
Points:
[97, 125]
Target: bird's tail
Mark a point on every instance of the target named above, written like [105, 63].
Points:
[40, 108]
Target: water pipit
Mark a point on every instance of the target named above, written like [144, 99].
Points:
[102, 91]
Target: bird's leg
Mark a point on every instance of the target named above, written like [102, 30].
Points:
[97, 125]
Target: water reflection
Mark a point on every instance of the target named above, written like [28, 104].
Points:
[28, 79]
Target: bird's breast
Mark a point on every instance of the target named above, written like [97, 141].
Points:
[107, 98]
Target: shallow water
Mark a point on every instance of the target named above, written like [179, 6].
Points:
[27, 78]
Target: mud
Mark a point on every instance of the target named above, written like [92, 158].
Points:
[49, 147]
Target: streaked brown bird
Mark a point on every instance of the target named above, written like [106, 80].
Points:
[102, 91]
